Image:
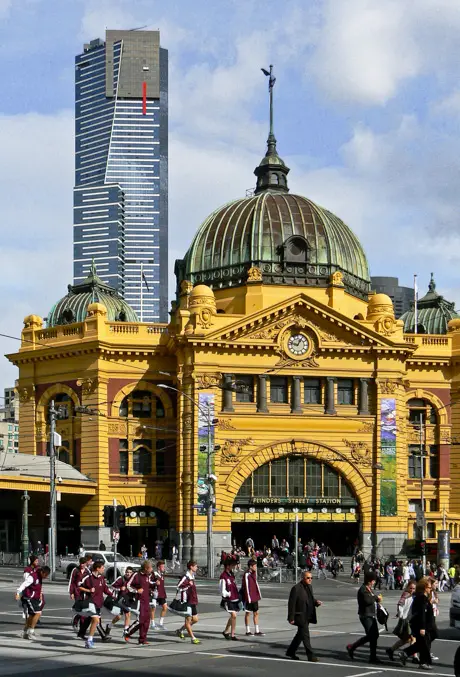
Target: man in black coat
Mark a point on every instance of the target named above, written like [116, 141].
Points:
[301, 612]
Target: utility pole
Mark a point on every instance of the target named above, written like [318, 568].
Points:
[422, 494]
[52, 524]
[25, 528]
[210, 506]
[296, 548]
[114, 538]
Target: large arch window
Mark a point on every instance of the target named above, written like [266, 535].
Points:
[141, 404]
[295, 478]
[63, 403]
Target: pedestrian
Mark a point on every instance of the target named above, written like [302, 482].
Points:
[102, 547]
[301, 612]
[451, 574]
[389, 576]
[140, 584]
[159, 597]
[230, 598]
[124, 600]
[249, 545]
[34, 562]
[76, 595]
[250, 594]
[434, 599]
[402, 629]
[275, 544]
[189, 595]
[95, 588]
[367, 602]
[144, 553]
[421, 624]
[322, 570]
[32, 600]
[175, 557]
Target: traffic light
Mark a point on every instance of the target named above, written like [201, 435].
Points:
[423, 547]
[120, 521]
[108, 515]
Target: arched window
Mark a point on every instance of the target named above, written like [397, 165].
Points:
[63, 403]
[142, 461]
[424, 419]
[141, 404]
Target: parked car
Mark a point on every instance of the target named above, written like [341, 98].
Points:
[454, 611]
[67, 565]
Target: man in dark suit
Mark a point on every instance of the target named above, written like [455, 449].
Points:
[301, 612]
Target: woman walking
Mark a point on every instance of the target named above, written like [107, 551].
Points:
[188, 594]
[402, 629]
[230, 598]
[421, 624]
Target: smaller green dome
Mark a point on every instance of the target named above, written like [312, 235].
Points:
[433, 313]
[73, 307]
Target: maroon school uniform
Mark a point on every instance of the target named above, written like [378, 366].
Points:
[76, 578]
[31, 592]
[100, 589]
[160, 582]
[137, 582]
[187, 589]
[230, 586]
[250, 588]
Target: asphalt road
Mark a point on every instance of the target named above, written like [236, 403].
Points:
[57, 649]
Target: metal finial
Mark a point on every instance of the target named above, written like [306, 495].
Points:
[271, 141]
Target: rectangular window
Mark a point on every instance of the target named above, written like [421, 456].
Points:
[431, 530]
[244, 388]
[312, 391]
[278, 478]
[296, 477]
[434, 505]
[345, 391]
[123, 450]
[260, 480]
[434, 461]
[331, 482]
[414, 461]
[415, 414]
[313, 479]
[278, 389]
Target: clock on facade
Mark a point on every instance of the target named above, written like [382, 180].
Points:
[298, 344]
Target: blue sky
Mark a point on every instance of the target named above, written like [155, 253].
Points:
[367, 117]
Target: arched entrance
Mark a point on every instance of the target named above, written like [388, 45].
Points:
[147, 525]
[297, 484]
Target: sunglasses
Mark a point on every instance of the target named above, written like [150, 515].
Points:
[307, 578]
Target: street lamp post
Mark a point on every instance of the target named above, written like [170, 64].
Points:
[209, 478]
[52, 524]
[422, 493]
[25, 528]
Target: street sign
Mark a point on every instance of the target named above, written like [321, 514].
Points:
[115, 535]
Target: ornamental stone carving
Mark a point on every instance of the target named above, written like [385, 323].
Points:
[208, 380]
[25, 394]
[186, 287]
[33, 322]
[88, 385]
[232, 449]
[388, 386]
[202, 308]
[360, 453]
[336, 279]
[225, 424]
[254, 274]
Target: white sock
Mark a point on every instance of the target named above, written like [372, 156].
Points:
[152, 623]
[257, 628]
[248, 629]
[161, 620]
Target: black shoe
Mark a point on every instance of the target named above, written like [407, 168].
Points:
[234, 638]
[292, 656]
[375, 660]
[313, 659]
[390, 654]
[226, 635]
[350, 651]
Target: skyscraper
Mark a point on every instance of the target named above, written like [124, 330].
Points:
[121, 167]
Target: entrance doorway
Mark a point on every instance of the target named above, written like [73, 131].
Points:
[340, 537]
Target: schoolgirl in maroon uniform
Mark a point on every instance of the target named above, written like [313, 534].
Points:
[95, 588]
[124, 598]
[31, 595]
[141, 585]
[159, 596]
[250, 593]
[230, 597]
[76, 577]
[188, 594]
[33, 564]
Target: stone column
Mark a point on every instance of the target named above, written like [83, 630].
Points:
[330, 395]
[227, 393]
[363, 409]
[262, 393]
[296, 405]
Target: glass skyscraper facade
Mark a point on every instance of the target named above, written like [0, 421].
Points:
[121, 168]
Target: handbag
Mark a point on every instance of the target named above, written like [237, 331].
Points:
[178, 607]
[80, 605]
[382, 616]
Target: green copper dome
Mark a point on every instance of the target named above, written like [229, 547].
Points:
[433, 313]
[290, 238]
[73, 307]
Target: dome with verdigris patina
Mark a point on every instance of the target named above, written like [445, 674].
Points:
[432, 315]
[291, 239]
[73, 307]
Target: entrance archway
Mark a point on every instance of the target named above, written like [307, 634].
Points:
[301, 481]
[147, 525]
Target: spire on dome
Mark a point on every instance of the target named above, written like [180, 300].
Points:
[271, 172]
[432, 285]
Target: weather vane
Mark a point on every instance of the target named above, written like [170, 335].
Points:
[271, 84]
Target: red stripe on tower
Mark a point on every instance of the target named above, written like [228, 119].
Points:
[144, 98]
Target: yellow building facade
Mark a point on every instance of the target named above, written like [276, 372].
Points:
[318, 401]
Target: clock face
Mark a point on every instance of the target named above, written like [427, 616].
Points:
[298, 344]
